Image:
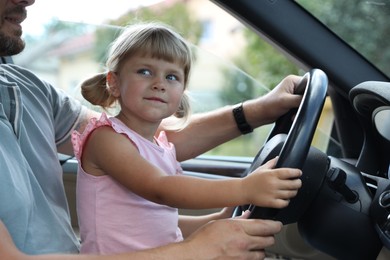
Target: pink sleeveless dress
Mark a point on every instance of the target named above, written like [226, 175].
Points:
[111, 218]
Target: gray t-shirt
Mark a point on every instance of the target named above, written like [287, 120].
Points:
[34, 119]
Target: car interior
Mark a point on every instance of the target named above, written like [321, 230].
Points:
[343, 208]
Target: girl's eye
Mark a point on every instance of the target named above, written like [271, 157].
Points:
[144, 72]
[172, 77]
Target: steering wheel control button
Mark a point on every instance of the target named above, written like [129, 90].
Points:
[384, 199]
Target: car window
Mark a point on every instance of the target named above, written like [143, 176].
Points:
[354, 24]
[232, 64]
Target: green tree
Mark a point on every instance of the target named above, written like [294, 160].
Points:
[56, 27]
[73, 29]
[240, 87]
[176, 16]
[260, 60]
[264, 62]
[354, 23]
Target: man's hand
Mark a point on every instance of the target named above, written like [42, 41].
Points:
[233, 239]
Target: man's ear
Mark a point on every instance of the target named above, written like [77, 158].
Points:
[113, 83]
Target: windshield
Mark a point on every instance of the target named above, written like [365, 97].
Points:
[362, 24]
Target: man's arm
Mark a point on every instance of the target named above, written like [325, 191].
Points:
[221, 239]
[85, 117]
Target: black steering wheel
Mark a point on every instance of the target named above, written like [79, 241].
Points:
[291, 140]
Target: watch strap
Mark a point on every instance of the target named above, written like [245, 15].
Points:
[239, 117]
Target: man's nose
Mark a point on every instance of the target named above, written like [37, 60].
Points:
[24, 2]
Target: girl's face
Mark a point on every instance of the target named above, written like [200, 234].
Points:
[149, 89]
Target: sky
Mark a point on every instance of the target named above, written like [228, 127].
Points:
[86, 11]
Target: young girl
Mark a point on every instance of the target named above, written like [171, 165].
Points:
[129, 183]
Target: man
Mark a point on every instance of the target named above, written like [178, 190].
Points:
[35, 123]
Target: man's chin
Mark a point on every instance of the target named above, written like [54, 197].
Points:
[10, 45]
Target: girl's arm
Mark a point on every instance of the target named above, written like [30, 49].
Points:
[189, 224]
[216, 127]
[109, 152]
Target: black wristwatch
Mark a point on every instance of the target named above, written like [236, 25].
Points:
[239, 116]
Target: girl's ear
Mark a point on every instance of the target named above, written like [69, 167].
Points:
[113, 84]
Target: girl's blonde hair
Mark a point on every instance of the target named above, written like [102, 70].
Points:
[146, 39]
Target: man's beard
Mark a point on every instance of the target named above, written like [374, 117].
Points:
[10, 45]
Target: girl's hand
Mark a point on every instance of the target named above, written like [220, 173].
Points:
[226, 212]
[269, 187]
[267, 109]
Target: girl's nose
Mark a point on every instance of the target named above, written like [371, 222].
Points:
[159, 84]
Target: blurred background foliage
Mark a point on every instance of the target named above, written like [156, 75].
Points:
[357, 22]
[258, 61]
[258, 58]
[259, 66]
